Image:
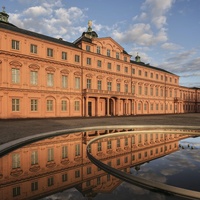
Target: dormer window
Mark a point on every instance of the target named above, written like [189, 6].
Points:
[98, 49]
[108, 52]
[87, 48]
[117, 55]
[15, 44]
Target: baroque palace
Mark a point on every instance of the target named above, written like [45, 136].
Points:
[41, 76]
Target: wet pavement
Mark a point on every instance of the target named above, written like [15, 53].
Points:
[13, 129]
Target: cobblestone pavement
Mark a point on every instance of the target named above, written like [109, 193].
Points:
[19, 128]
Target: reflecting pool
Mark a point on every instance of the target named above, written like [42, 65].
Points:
[58, 167]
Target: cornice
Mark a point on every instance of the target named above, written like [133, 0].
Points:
[38, 59]
[40, 91]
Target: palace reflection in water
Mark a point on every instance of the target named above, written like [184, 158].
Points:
[59, 163]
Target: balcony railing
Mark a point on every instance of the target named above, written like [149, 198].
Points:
[95, 91]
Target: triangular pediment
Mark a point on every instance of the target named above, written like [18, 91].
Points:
[108, 42]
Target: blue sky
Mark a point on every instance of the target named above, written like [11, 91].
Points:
[165, 33]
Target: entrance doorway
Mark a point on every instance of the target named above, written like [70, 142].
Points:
[90, 108]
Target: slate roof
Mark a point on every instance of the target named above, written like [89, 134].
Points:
[151, 67]
[11, 27]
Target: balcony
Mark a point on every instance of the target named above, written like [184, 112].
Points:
[105, 92]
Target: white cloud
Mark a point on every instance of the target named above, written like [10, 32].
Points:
[36, 11]
[51, 18]
[141, 34]
[157, 10]
[170, 46]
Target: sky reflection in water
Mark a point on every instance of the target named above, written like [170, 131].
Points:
[180, 169]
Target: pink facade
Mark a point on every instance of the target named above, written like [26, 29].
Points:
[42, 77]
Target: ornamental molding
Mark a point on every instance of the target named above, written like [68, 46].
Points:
[118, 80]
[15, 63]
[77, 73]
[34, 66]
[50, 69]
[89, 75]
[64, 71]
[109, 79]
[99, 77]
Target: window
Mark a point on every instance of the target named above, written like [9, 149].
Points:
[16, 191]
[125, 59]
[34, 78]
[50, 181]
[118, 143]
[140, 90]
[109, 144]
[50, 155]
[146, 74]
[64, 152]
[109, 86]
[99, 63]
[146, 90]
[151, 91]
[64, 177]
[77, 150]
[64, 105]
[77, 82]
[157, 76]
[133, 89]
[77, 173]
[133, 70]
[16, 161]
[99, 146]
[87, 48]
[34, 157]
[34, 104]
[156, 91]
[77, 58]
[64, 55]
[89, 81]
[117, 55]
[89, 170]
[34, 186]
[15, 44]
[118, 67]
[108, 52]
[126, 141]
[15, 75]
[118, 161]
[50, 80]
[99, 83]
[49, 52]
[98, 180]
[77, 105]
[49, 105]
[98, 49]
[15, 104]
[151, 75]
[118, 87]
[139, 72]
[126, 69]
[33, 48]
[109, 65]
[64, 81]
[89, 61]
[126, 88]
